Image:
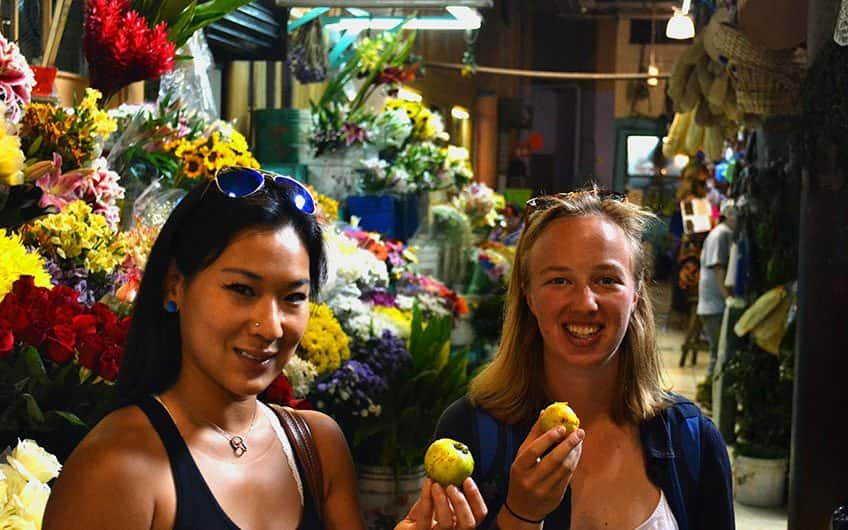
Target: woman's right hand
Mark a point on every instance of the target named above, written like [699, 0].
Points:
[537, 481]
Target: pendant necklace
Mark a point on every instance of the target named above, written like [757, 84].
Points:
[237, 442]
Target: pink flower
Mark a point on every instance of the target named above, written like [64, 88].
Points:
[59, 190]
[16, 78]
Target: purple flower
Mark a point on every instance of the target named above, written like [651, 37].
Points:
[92, 287]
[352, 390]
[380, 297]
[386, 354]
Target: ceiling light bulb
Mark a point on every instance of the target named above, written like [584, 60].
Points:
[460, 113]
[407, 94]
[680, 26]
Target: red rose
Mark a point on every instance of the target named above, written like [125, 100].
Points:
[118, 331]
[280, 391]
[84, 324]
[110, 362]
[105, 316]
[15, 315]
[7, 341]
[60, 344]
[90, 347]
[23, 286]
[35, 333]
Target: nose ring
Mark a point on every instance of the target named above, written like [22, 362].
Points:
[257, 323]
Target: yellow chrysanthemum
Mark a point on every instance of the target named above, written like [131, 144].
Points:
[18, 262]
[324, 343]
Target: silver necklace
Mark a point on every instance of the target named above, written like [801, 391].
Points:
[237, 442]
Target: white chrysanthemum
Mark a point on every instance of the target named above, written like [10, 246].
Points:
[301, 374]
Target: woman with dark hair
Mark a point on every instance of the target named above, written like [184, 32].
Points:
[579, 328]
[222, 306]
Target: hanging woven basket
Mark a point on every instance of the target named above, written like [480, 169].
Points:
[766, 82]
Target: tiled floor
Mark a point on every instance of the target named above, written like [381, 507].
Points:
[683, 380]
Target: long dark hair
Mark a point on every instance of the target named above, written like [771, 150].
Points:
[199, 229]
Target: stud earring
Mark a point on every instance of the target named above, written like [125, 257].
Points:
[171, 306]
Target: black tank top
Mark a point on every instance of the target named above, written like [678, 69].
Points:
[197, 508]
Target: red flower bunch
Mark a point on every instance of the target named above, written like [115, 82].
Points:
[121, 48]
[280, 392]
[394, 75]
[53, 322]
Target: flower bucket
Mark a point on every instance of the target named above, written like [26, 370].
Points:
[760, 481]
[44, 77]
[335, 173]
[385, 496]
[279, 135]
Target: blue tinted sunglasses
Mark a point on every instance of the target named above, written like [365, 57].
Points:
[238, 182]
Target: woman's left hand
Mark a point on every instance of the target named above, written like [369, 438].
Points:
[446, 508]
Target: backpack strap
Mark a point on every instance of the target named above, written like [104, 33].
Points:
[300, 435]
[690, 437]
[496, 442]
[488, 440]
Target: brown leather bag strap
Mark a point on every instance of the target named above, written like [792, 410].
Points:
[300, 437]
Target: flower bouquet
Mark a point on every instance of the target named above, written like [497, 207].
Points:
[340, 120]
[81, 249]
[132, 40]
[24, 474]
[58, 359]
[75, 134]
[389, 397]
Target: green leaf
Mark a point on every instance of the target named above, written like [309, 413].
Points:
[71, 418]
[33, 410]
[181, 22]
[170, 10]
[34, 364]
[35, 146]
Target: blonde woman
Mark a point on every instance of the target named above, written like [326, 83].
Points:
[579, 328]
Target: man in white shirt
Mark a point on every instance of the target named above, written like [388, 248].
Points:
[712, 292]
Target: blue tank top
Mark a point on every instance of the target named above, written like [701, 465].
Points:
[197, 508]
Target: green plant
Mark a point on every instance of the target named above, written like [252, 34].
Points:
[338, 119]
[764, 398]
[434, 379]
[184, 17]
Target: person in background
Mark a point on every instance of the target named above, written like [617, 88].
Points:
[222, 306]
[712, 292]
[579, 328]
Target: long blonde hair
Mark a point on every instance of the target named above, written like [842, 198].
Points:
[512, 386]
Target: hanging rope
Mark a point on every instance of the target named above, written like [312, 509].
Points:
[585, 76]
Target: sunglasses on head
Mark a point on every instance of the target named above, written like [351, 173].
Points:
[543, 202]
[238, 182]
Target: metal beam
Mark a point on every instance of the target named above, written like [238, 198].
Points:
[374, 4]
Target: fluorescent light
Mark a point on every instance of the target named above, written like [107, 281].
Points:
[408, 94]
[460, 113]
[680, 26]
[462, 18]
[468, 15]
[653, 71]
